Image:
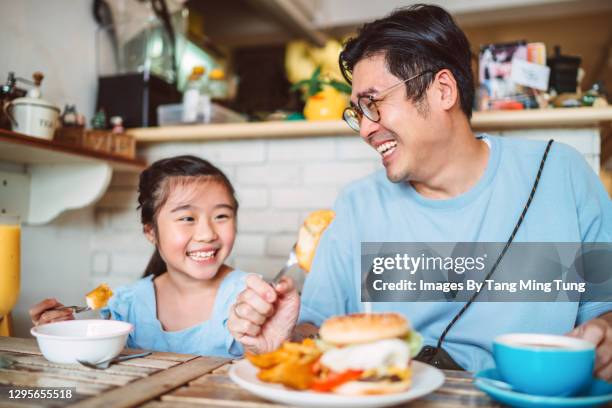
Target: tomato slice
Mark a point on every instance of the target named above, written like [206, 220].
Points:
[334, 380]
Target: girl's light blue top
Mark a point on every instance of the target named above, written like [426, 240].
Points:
[136, 304]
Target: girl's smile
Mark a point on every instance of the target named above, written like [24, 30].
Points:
[204, 255]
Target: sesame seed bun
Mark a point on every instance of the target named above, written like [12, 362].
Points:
[363, 328]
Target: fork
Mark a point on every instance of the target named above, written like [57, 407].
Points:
[75, 309]
[291, 261]
[104, 364]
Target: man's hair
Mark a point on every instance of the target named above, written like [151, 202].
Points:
[415, 39]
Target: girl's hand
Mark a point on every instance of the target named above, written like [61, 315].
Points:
[42, 312]
[264, 317]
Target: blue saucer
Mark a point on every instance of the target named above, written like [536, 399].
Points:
[600, 393]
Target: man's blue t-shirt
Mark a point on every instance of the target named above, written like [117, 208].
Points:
[570, 205]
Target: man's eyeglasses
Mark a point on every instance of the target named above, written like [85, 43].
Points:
[366, 105]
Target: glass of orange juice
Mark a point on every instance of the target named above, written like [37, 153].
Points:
[10, 250]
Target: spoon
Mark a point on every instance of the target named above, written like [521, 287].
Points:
[104, 364]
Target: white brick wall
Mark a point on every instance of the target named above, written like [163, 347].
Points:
[336, 174]
[280, 244]
[252, 197]
[586, 141]
[301, 150]
[303, 197]
[247, 244]
[268, 174]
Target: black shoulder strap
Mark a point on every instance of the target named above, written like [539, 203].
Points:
[503, 252]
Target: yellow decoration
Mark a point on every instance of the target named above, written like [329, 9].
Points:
[10, 248]
[327, 59]
[326, 105]
[298, 63]
[301, 59]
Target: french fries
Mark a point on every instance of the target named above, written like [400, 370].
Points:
[290, 365]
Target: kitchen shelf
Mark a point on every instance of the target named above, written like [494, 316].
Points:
[494, 120]
[40, 179]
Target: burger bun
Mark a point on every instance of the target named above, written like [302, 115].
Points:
[372, 388]
[363, 328]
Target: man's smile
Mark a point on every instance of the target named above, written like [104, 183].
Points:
[386, 148]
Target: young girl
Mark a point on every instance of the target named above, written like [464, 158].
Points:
[188, 211]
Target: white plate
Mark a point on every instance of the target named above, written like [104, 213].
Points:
[425, 379]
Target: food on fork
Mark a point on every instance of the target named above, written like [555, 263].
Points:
[309, 235]
[359, 354]
[98, 298]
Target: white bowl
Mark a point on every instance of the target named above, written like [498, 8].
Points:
[88, 340]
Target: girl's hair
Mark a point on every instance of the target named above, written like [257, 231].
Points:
[156, 183]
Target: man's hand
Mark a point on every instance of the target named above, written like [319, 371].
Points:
[263, 317]
[599, 332]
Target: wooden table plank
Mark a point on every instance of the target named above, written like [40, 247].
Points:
[223, 369]
[453, 386]
[176, 404]
[458, 374]
[29, 346]
[157, 384]
[92, 376]
[161, 355]
[39, 363]
[32, 379]
[214, 379]
[5, 402]
[222, 396]
[150, 363]
[19, 345]
[456, 400]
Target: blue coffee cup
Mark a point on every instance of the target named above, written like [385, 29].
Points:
[542, 364]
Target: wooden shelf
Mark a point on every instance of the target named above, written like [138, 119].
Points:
[22, 149]
[40, 179]
[498, 120]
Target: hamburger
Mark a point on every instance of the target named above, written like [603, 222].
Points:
[365, 354]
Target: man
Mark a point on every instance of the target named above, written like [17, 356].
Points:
[412, 97]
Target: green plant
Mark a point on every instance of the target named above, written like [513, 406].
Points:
[315, 84]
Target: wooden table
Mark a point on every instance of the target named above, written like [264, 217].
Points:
[165, 380]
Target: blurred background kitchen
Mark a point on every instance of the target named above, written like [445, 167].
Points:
[95, 89]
